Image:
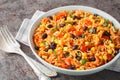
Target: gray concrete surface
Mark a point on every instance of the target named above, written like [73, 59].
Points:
[12, 13]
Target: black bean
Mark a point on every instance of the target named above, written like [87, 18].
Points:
[78, 58]
[44, 35]
[65, 17]
[105, 33]
[88, 49]
[72, 23]
[52, 45]
[117, 51]
[92, 58]
[65, 45]
[49, 25]
[83, 35]
[36, 48]
[62, 25]
[112, 23]
[50, 17]
[72, 36]
[93, 30]
[96, 15]
[74, 17]
[66, 53]
[75, 47]
[46, 50]
[78, 17]
[71, 67]
[85, 28]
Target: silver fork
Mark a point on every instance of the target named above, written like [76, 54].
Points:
[12, 46]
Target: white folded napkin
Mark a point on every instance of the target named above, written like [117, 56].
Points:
[25, 26]
[22, 36]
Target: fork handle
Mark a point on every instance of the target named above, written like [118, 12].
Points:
[37, 67]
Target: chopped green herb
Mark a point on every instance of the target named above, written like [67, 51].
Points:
[78, 53]
[83, 61]
[53, 30]
[72, 23]
[70, 13]
[85, 15]
[106, 23]
[113, 28]
[45, 43]
[56, 26]
[54, 37]
[99, 48]
[54, 52]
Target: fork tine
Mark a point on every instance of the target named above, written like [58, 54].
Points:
[11, 36]
[6, 35]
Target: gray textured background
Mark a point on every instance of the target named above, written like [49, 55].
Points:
[12, 13]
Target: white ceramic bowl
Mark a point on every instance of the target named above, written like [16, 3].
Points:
[67, 71]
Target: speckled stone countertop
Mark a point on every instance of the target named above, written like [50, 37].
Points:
[12, 13]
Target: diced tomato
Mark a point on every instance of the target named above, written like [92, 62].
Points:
[58, 53]
[105, 37]
[60, 35]
[88, 22]
[77, 33]
[63, 65]
[72, 28]
[68, 61]
[61, 14]
[84, 48]
[35, 38]
[109, 57]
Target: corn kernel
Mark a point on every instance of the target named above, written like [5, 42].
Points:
[101, 58]
[42, 29]
[65, 36]
[50, 51]
[87, 43]
[101, 22]
[44, 57]
[65, 48]
[78, 69]
[41, 44]
[82, 68]
[69, 18]
[55, 40]
[84, 55]
[104, 57]
[93, 49]
[59, 48]
[112, 45]
[110, 51]
[60, 42]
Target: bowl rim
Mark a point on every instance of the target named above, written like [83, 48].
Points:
[53, 11]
